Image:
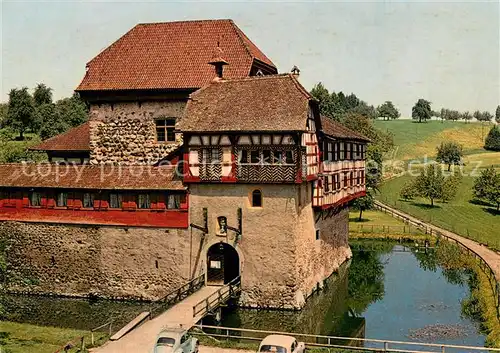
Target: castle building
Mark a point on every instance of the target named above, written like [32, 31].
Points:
[198, 157]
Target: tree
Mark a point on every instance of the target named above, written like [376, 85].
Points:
[421, 111]
[388, 111]
[51, 123]
[450, 187]
[3, 113]
[487, 116]
[326, 103]
[430, 183]
[408, 191]
[492, 141]
[363, 203]
[477, 115]
[72, 111]
[449, 153]
[497, 115]
[42, 94]
[21, 111]
[466, 116]
[487, 186]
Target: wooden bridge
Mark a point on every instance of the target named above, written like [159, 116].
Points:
[183, 307]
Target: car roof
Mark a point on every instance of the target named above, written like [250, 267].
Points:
[174, 332]
[279, 340]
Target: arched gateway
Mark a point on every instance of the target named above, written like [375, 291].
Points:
[223, 264]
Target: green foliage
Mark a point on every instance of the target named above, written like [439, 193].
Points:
[466, 116]
[431, 182]
[51, 123]
[42, 94]
[408, 191]
[388, 111]
[492, 141]
[363, 203]
[21, 111]
[482, 116]
[335, 106]
[449, 153]
[421, 111]
[72, 111]
[448, 114]
[497, 114]
[450, 187]
[4, 107]
[487, 187]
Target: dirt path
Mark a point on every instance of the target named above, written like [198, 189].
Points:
[204, 349]
[491, 257]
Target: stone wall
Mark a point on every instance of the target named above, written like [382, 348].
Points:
[280, 260]
[317, 259]
[106, 261]
[126, 132]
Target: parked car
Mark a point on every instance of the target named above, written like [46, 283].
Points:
[281, 344]
[176, 340]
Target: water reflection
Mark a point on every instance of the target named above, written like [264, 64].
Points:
[388, 291]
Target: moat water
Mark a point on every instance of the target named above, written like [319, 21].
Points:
[384, 293]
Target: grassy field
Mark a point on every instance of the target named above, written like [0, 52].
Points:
[416, 140]
[460, 215]
[23, 338]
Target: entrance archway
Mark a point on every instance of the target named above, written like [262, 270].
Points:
[223, 264]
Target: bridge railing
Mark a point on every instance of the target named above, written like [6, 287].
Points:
[177, 295]
[348, 343]
[494, 281]
[211, 302]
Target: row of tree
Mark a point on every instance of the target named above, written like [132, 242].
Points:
[39, 114]
[455, 115]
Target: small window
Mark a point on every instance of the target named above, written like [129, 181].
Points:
[35, 199]
[326, 185]
[165, 130]
[115, 200]
[289, 157]
[278, 157]
[256, 198]
[62, 199]
[254, 156]
[88, 200]
[243, 156]
[266, 157]
[215, 157]
[143, 201]
[174, 201]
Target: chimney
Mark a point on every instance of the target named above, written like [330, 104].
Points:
[295, 71]
[218, 62]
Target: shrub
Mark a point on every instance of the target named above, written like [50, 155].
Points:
[492, 141]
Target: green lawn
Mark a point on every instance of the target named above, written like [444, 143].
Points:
[416, 140]
[25, 338]
[460, 215]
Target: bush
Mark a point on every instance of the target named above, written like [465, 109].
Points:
[492, 141]
[408, 191]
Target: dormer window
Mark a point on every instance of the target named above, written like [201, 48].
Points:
[165, 130]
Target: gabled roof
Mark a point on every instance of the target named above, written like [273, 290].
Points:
[337, 130]
[119, 177]
[76, 139]
[265, 103]
[171, 55]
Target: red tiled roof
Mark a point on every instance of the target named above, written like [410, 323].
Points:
[171, 55]
[90, 176]
[264, 103]
[76, 139]
[337, 130]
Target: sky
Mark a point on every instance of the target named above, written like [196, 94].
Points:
[445, 52]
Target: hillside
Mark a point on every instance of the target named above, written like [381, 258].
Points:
[416, 140]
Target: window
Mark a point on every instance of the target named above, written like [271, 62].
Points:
[329, 152]
[317, 238]
[243, 156]
[278, 157]
[173, 201]
[289, 157]
[115, 200]
[254, 156]
[143, 201]
[62, 199]
[266, 157]
[326, 187]
[342, 154]
[35, 199]
[165, 130]
[256, 198]
[214, 155]
[88, 200]
[358, 181]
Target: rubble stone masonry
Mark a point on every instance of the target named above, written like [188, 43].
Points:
[85, 260]
[125, 132]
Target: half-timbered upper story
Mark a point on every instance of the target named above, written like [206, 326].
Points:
[252, 130]
[342, 169]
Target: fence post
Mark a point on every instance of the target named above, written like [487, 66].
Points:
[386, 346]
[110, 328]
[92, 338]
[82, 344]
